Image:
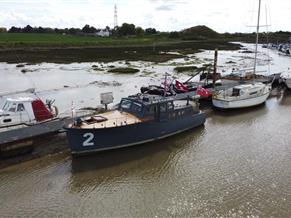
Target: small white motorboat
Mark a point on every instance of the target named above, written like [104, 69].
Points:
[19, 112]
[242, 96]
[24, 118]
[286, 78]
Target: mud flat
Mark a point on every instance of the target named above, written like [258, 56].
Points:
[38, 147]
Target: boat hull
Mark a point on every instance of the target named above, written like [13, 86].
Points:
[13, 135]
[288, 83]
[93, 140]
[241, 103]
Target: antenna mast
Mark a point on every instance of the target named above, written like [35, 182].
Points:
[257, 38]
[115, 17]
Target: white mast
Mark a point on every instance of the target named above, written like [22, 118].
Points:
[257, 38]
[115, 24]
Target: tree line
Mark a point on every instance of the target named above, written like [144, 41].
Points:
[124, 30]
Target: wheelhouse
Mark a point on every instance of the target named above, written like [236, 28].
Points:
[156, 107]
[23, 110]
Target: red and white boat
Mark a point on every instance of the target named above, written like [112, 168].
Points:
[21, 111]
[23, 118]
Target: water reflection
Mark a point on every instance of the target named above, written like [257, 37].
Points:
[237, 165]
[285, 98]
[245, 115]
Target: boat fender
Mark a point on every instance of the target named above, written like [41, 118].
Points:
[56, 111]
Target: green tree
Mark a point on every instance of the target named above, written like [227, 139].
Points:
[126, 29]
[3, 30]
[89, 29]
[139, 31]
[27, 29]
[150, 31]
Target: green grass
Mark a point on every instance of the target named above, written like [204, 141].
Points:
[125, 70]
[185, 69]
[44, 40]
[57, 48]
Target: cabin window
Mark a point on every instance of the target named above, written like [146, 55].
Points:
[12, 108]
[235, 92]
[125, 104]
[20, 108]
[136, 107]
[163, 108]
[7, 121]
[151, 110]
[170, 106]
[253, 93]
[6, 106]
[173, 115]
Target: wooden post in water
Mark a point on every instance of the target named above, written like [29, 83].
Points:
[215, 67]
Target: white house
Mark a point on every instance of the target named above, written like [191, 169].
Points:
[103, 33]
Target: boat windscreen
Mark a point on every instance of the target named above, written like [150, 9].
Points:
[125, 104]
[6, 105]
[235, 92]
[136, 107]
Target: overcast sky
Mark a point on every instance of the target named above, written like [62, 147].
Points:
[165, 15]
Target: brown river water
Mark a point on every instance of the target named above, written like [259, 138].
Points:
[237, 165]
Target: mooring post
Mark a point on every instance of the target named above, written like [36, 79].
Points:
[215, 67]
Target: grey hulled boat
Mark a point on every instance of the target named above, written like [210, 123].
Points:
[138, 119]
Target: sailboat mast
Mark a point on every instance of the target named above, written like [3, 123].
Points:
[257, 38]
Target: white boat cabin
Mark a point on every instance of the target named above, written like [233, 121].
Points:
[243, 91]
[21, 110]
[242, 96]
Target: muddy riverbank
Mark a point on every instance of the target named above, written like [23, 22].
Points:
[42, 146]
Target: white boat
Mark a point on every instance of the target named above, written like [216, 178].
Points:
[20, 111]
[242, 96]
[288, 82]
[286, 78]
[23, 119]
[247, 95]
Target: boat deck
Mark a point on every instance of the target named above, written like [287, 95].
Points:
[108, 120]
